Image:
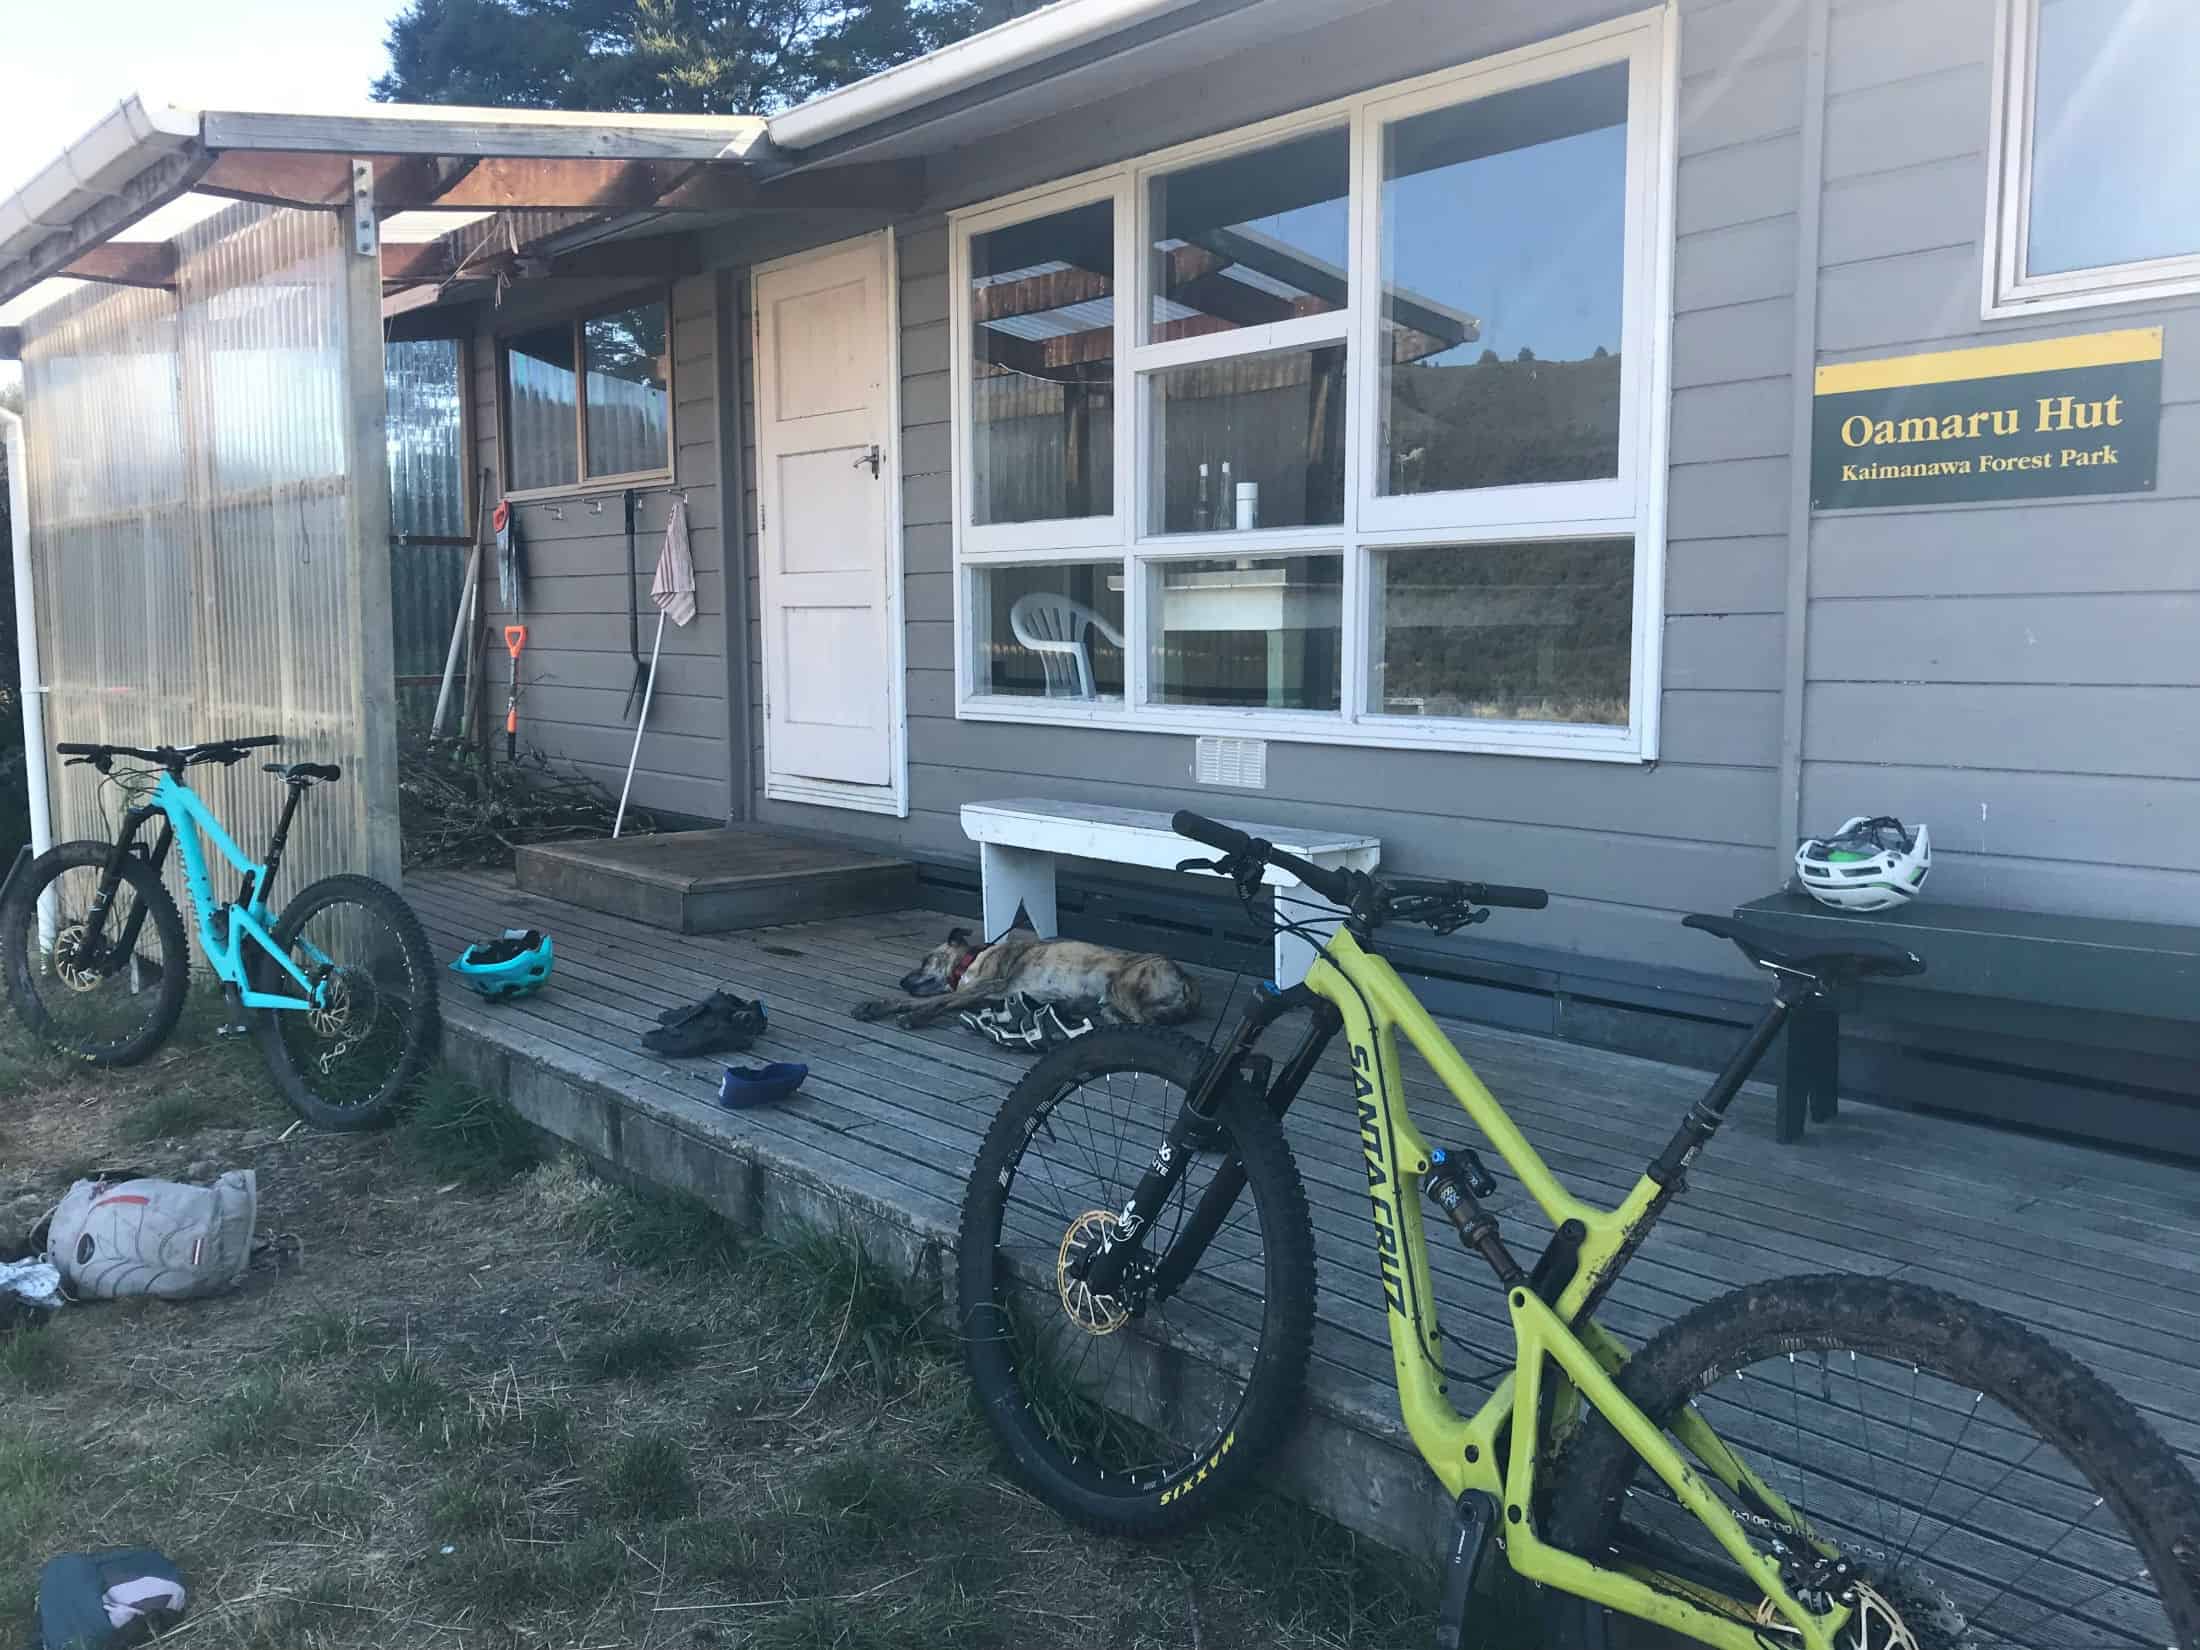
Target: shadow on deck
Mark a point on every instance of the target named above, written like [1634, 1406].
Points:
[2098, 1251]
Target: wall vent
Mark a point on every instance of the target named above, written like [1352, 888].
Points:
[1239, 762]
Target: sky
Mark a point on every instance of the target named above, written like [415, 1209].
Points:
[66, 63]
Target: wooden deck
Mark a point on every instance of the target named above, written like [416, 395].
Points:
[2098, 1251]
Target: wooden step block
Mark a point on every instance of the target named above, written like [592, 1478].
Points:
[710, 882]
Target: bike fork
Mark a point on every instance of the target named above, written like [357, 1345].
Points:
[1193, 1130]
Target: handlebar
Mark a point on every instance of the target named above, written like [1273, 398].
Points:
[1333, 886]
[1344, 888]
[171, 757]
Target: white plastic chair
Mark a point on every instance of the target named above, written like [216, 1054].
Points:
[1053, 627]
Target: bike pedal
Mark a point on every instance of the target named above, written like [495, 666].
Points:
[1474, 1532]
[237, 1025]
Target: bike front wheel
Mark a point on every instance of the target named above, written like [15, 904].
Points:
[346, 1062]
[1988, 1491]
[109, 998]
[1136, 1411]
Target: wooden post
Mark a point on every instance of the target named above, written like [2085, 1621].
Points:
[367, 553]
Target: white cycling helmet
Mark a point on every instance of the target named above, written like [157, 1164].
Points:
[1867, 865]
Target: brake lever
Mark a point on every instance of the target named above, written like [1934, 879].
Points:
[1218, 866]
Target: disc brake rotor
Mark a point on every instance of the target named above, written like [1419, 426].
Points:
[1877, 1623]
[1095, 1314]
[66, 945]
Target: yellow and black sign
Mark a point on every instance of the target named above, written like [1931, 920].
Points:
[2041, 420]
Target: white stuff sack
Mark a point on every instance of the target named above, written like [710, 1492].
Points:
[154, 1237]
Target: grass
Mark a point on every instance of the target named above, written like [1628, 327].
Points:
[456, 1133]
[32, 1359]
[505, 1404]
[648, 1352]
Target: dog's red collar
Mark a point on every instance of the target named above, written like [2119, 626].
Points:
[962, 967]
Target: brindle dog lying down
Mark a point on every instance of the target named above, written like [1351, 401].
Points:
[1130, 987]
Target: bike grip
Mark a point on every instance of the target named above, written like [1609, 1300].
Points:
[75, 750]
[1502, 894]
[1213, 833]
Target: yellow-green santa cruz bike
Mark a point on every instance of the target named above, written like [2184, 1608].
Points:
[1835, 1463]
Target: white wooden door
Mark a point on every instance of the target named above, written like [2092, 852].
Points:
[825, 479]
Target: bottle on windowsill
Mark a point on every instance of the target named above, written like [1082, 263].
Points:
[1224, 501]
[1203, 516]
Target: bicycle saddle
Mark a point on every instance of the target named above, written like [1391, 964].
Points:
[299, 773]
[1801, 954]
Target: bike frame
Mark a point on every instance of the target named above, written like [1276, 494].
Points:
[1474, 1453]
[187, 820]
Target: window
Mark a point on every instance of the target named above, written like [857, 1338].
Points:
[1347, 427]
[2097, 149]
[589, 400]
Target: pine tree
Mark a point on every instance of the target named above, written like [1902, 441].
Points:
[671, 56]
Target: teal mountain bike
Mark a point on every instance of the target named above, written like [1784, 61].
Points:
[340, 990]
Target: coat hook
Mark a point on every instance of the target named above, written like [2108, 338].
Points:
[595, 506]
[557, 512]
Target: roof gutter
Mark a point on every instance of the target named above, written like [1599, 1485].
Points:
[1014, 45]
[126, 143]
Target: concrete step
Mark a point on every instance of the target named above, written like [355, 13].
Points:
[710, 882]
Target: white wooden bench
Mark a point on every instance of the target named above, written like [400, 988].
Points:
[1019, 841]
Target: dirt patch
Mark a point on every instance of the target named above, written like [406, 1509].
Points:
[497, 1404]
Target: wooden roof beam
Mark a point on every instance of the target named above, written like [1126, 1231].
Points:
[126, 263]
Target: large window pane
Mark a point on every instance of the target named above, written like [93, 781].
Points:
[629, 391]
[1505, 632]
[1503, 228]
[1253, 441]
[1259, 632]
[540, 393]
[1251, 239]
[1052, 631]
[2115, 134]
[1042, 312]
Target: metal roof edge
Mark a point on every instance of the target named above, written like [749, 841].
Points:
[954, 68]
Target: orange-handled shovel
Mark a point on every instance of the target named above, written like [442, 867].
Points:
[515, 638]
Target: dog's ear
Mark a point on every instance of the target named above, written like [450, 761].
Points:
[958, 936]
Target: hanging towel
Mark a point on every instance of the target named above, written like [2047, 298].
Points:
[673, 589]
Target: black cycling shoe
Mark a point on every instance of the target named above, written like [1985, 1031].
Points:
[717, 1001]
[720, 1024]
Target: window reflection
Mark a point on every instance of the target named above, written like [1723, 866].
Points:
[1042, 310]
[629, 391]
[2115, 134]
[1503, 229]
[541, 391]
[1506, 632]
[1251, 239]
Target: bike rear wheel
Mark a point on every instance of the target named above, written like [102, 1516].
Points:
[1996, 1493]
[1138, 1412]
[112, 1001]
[346, 1063]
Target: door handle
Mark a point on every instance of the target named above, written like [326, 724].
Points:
[872, 458]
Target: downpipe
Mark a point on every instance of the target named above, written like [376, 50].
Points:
[31, 683]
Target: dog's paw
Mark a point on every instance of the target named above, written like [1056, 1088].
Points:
[881, 1008]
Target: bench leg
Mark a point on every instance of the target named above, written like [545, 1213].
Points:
[1013, 877]
[1810, 1075]
[1825, 1094]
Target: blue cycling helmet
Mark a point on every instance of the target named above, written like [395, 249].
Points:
[514, 965]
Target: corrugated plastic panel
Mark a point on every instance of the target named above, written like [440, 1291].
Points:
[192, 521]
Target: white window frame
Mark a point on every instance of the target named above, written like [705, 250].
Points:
[2007, 287]
[1630, 505]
